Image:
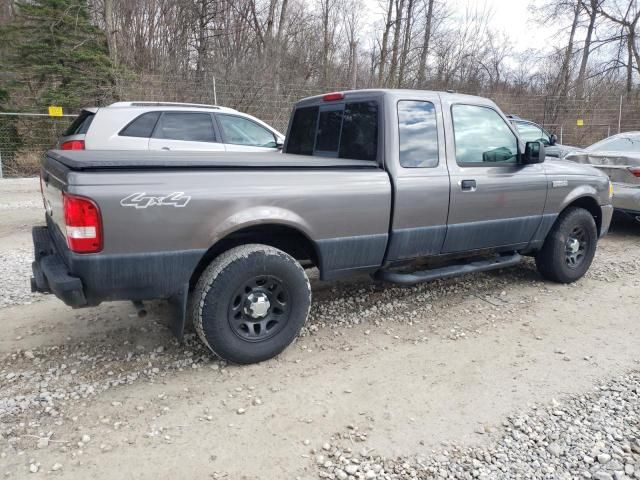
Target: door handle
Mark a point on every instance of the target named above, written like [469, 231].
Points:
[468, 185]
[166, 148]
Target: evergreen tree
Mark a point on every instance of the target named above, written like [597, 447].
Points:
[56, 56]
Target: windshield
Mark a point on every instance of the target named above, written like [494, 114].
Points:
[617, 144]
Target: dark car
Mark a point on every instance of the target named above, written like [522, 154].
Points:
[532, 132]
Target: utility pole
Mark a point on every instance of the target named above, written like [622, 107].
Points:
[619, 116]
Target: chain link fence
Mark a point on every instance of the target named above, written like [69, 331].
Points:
[26, 133]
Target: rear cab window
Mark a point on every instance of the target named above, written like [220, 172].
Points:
[346, 129]
[81, 124]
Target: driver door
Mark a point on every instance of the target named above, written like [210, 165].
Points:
[495, 200]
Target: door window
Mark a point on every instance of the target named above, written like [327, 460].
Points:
[241, 131]
[530, 132]
[418, 134]
[191, 127]
[482, 136]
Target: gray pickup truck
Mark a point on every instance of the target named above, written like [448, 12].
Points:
[370, 181]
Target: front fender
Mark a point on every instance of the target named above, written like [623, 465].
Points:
[578, 192]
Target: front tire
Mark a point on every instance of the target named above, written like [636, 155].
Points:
[250, 303]
[570, 246]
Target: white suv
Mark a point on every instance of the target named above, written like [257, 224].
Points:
[169, 126]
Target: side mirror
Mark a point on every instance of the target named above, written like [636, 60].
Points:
[533, 153]
[279, 144]
[553, 139]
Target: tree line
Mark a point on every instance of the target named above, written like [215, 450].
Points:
[77, 51]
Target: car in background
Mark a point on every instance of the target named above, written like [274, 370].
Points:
[532, 132]
[619, 157]
[169, 126]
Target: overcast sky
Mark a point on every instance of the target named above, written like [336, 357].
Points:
[510, 16]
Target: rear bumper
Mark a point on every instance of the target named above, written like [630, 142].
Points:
[88, 280]
[50, 273]
[626, 198]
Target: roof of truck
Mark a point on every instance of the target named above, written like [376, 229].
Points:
[448, 95]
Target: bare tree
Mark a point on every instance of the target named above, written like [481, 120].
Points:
[591, 7]
[424, 51]
[388, 23]
[352, 27]
[397, 33]
[626, 15]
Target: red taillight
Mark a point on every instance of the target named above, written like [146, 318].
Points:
[635, 171]
[332, 97]
[83, 224]
[73, 145]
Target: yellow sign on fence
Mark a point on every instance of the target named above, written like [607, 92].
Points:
[580, 122]
[55, 111]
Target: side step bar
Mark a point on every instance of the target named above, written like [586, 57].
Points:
[412, 278]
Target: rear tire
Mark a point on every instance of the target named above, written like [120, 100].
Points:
[250, 303]
[570, 246]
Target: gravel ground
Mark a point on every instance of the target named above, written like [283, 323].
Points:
[15, 272]
[595, 435]
[473, 362]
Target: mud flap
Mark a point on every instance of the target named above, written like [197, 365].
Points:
[178, 303]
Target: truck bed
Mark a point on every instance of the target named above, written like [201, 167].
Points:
[84, 160]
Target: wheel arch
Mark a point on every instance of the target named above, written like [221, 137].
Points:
[285, 237]
[591, 205]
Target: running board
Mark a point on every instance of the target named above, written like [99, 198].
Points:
[412, 278]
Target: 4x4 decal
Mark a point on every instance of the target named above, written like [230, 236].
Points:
[142, 200]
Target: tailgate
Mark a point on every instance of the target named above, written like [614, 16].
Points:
[53, 181]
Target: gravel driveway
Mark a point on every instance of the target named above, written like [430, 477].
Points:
[497, 375]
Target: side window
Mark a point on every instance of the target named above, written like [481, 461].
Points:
[192, 127]
[418, 134]
[242, 131]
[482, 136]
[531, 132]
[141, 126]
[340, 130]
